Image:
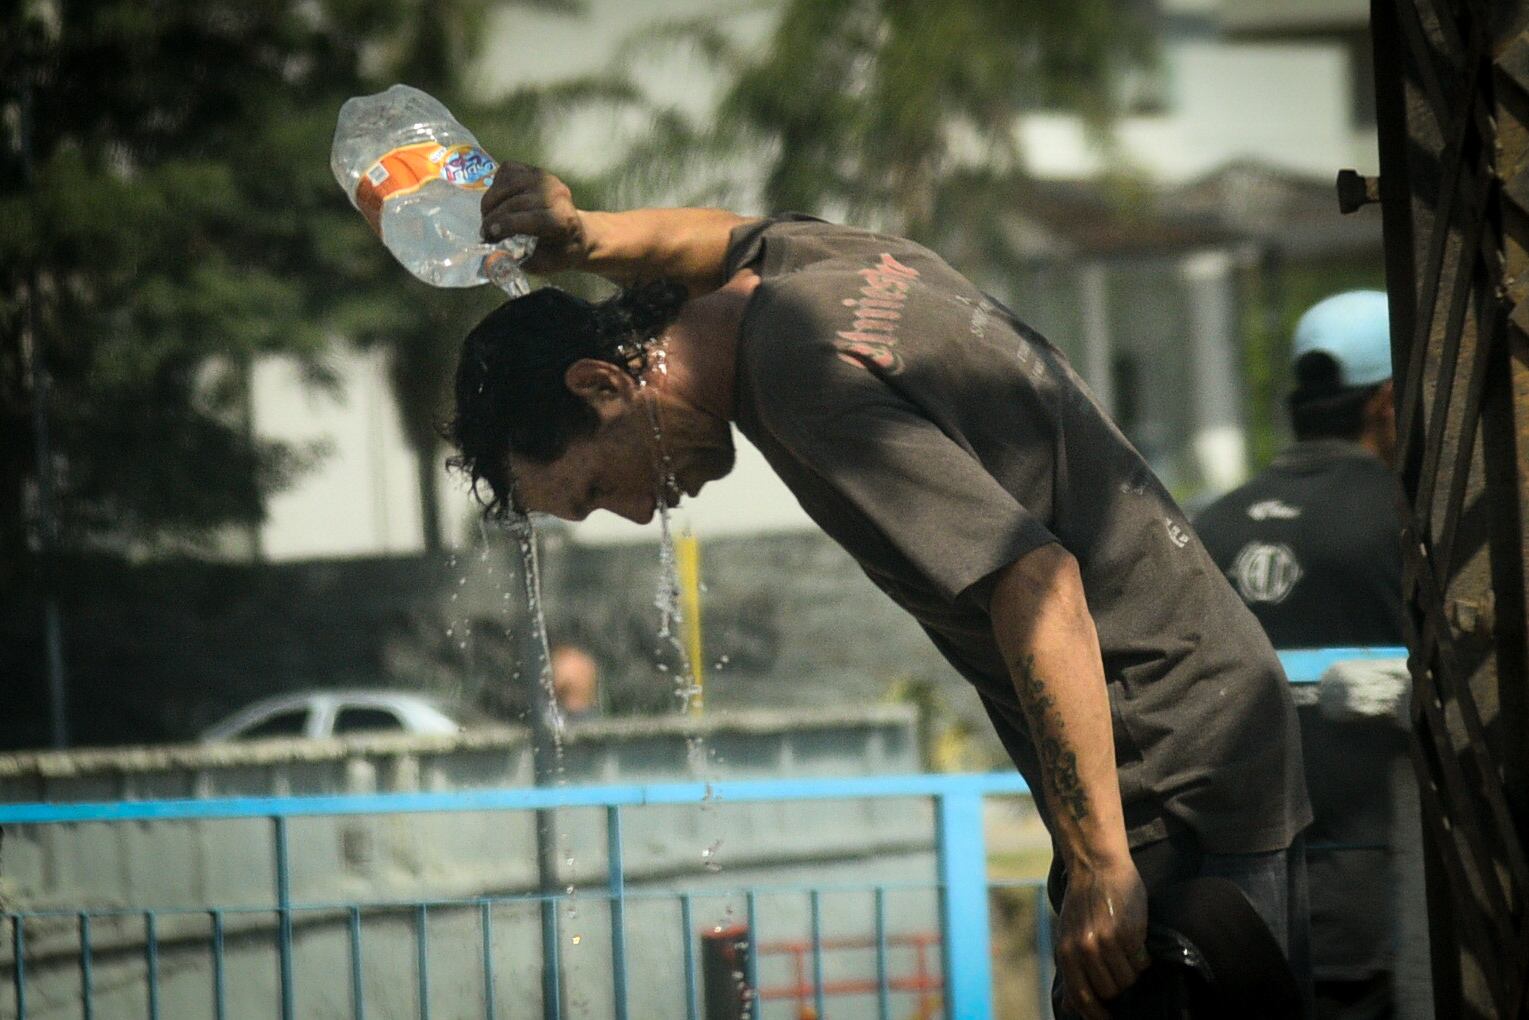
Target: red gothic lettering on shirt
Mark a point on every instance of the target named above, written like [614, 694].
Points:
[862, 354]
[873, 332]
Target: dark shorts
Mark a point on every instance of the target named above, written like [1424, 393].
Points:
[1274, 883]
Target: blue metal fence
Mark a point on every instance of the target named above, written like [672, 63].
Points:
[1306, 665]
[962, 883]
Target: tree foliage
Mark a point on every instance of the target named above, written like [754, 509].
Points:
[882, 111]
[167, 215]
[162, 222]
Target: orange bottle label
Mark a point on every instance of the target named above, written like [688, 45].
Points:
[407, 169]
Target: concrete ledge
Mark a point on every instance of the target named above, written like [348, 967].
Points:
[157, 758]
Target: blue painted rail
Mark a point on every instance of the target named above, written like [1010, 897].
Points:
[962, 883]
[1306, 665]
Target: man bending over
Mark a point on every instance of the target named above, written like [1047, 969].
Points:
[955, 455]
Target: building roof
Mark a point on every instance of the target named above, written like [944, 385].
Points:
[1243, 202]
[1294, 213]
[1292, 18]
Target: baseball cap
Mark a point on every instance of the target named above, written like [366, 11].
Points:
[1352, 328]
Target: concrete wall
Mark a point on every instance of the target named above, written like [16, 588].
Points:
[181, 863]
[159, 651]
[712, 850]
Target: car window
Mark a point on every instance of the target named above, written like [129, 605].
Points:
[364, 720]
[291, 723]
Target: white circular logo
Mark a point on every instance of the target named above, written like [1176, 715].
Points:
[1265, 572]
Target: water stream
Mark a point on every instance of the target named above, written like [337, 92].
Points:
[667, 599]
[550, 726]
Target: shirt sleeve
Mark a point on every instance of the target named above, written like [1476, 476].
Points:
[746, 244]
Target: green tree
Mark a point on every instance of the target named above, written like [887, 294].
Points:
[162, 222]
[894, 112]
[167, 215]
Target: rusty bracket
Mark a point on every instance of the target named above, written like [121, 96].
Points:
[1356, 190]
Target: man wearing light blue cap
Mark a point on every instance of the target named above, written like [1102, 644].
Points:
[1342, 358]
[1312, 544]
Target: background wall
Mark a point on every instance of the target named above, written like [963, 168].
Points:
[158, 651]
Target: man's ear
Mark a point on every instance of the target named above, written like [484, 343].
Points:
[1381, 407]
[605, 387]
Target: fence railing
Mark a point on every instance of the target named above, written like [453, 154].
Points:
[1306, 665]
[965, 979]
[961, 883]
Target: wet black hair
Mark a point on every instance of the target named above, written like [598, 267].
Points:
[510, 392]
[1321, 407]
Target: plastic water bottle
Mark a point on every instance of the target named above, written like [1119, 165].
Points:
[418, 177]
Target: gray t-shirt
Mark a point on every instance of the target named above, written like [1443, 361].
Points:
[938, 440]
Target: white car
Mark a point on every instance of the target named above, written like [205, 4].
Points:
[336, 713]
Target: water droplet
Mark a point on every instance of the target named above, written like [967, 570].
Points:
[570, 888]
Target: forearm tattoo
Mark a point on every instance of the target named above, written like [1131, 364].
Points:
[1059, 763]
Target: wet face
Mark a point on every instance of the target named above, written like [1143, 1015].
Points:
[627, 466]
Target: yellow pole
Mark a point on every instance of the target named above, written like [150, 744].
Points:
[687, 555]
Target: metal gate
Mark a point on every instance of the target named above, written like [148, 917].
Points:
[1452, 80]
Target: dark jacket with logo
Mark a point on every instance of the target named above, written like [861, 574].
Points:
[1313, 546]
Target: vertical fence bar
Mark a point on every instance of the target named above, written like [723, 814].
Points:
[687, 945]
[1045, 962]
[357, 985]
[815, 907]
[87, 998]
[751, 901]
[616, 881]
[151, 960]
[422, 957]
[883, 988]
[963, 906]
[219, 985]
[19, 973]
[552, 995]
[284, 918]
[486, 928]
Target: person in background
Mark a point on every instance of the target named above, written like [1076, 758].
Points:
[1313, 546]
[575, 682]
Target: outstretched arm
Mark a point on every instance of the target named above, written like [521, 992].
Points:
[687, 245]
[1042, 625]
